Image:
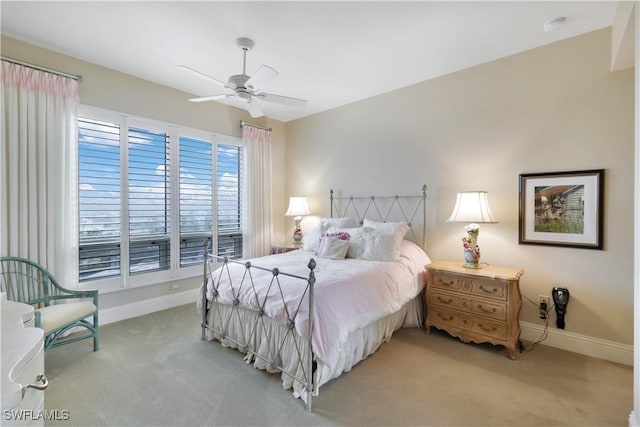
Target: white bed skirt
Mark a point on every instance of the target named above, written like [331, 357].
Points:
[359, 344]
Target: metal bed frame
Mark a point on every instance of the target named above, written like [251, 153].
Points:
[253, 337]
[259, 331]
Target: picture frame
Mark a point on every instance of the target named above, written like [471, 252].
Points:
[562, 209]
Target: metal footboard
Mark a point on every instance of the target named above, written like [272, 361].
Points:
[257, 332]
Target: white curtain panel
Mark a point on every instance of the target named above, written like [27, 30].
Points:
[258, 222]
[38, 170]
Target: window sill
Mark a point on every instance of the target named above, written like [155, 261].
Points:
[107, 286]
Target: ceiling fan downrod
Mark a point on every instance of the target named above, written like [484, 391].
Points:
[245, 44]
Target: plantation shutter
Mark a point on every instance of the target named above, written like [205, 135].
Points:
[230, 199]
[99, 198]
[149, 202]
[196, 198]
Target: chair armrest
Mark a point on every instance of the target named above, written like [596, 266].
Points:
[69, 294]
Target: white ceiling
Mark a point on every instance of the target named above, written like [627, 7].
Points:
[331, 53]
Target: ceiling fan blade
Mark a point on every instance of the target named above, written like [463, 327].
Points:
[255, 110]
[285, 100]
[202, 75]
[209, 98]
[261, 77]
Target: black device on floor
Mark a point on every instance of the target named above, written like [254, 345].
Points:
[560, 299]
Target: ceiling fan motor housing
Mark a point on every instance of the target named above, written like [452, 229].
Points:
[238, 81]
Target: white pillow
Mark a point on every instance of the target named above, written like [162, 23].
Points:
[333, 248]
[390, 250]
[399, 228]
[380, 247]
[310, 240]
[356, 240]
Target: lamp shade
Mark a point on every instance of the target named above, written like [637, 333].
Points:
[471, 206]
[297, 206]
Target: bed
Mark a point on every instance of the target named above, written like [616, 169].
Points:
[314, 313]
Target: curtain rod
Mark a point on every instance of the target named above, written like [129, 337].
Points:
[243, 123]
[38, 67]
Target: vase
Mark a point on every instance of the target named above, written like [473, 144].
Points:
[471, 248]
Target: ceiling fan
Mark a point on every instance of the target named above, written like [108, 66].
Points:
[247, 88]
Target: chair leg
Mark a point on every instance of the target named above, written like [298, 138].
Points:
[96, 344]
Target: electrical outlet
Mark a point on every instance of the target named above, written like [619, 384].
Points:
[543, 304]
[175, 286]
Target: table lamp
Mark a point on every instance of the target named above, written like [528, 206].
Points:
[472, 207]
[297, 209]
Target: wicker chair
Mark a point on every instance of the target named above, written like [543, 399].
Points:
[57, 310]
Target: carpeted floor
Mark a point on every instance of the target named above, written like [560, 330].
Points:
[155, 371]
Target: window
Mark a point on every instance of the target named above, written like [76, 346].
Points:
[146, 198]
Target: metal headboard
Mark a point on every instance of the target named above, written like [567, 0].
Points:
[385, 209]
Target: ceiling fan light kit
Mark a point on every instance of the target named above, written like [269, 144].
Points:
[247, 88]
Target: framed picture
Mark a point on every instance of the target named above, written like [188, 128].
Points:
[562, 209]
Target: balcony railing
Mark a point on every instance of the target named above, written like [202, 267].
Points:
[102, 259]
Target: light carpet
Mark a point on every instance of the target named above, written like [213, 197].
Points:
[154, 370]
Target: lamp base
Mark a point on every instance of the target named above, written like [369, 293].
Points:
[472, 265]
[471, 248]
[297, 233]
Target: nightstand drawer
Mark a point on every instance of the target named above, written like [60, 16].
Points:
[445, 281]
[487, 308]
[445, 300]
[494, 289]
[485, 327]
[445, 317]
[494, 310]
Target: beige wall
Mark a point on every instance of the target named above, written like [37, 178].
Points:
[105, 88]
[554, 108]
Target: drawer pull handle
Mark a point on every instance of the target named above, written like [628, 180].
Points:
[445, 301]
[484, 328]
[445, 318]
[449, 283]
[43, 386]
[481, 308]
[489, 291]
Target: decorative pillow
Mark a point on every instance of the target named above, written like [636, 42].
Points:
[356, 240]
[341, 235]
[380, 247]
[333, 248]
[310, 241]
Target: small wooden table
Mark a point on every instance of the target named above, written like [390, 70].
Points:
[475, 305]
[283, 249]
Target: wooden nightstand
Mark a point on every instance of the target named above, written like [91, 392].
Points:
[475, 305]
[283, 249]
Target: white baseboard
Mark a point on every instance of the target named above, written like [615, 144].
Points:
[140, 308]
[577, 343]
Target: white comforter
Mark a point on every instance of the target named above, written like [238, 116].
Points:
[349, 294]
